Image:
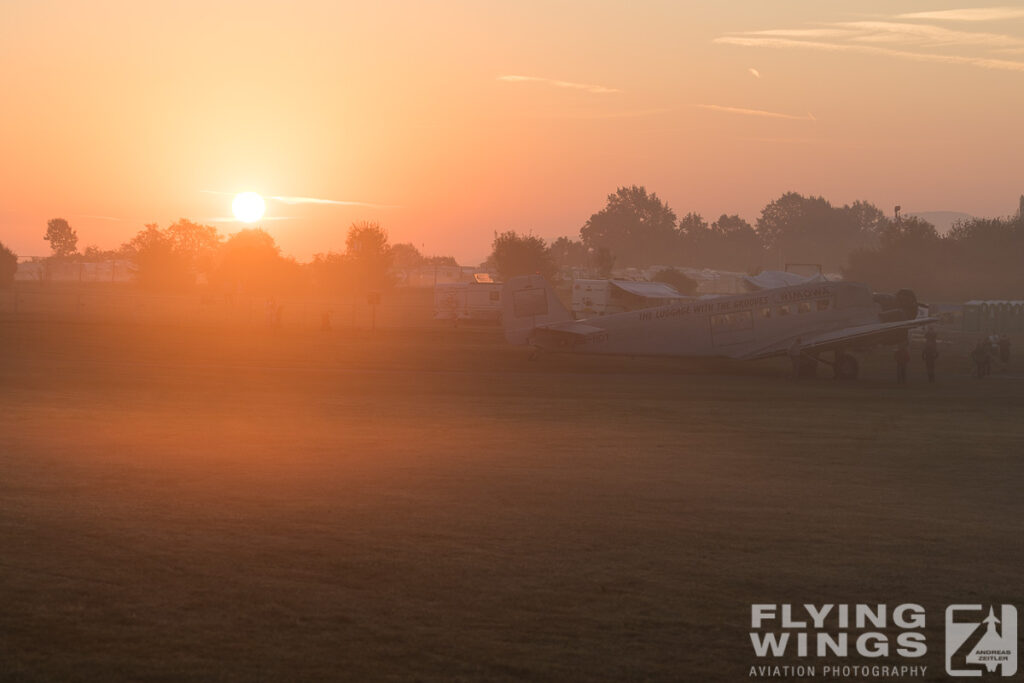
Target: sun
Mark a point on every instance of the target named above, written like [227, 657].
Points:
[248, 207]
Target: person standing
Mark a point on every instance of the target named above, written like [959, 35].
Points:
[930, 353]
[981, 359]
[902, 361]
[1004, 349]
[795, 355]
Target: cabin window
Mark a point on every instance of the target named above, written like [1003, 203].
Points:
[766, 312]
[805, 306]
[728, 322]
[783, 310]
[824, 304]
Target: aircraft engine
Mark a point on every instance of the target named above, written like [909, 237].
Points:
[895, 307]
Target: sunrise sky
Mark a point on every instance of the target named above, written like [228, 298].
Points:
[446, 121]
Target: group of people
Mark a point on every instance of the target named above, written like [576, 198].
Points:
[987, 348]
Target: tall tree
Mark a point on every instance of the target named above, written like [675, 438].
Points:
[635, 225]
[406, 255]
[737, 246]
[568, 253]
[251, 262]
[810, 230]
[62, 237]
[513, 254]
[8, 266]
[369, 253]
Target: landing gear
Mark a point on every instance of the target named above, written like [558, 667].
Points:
[846, 366]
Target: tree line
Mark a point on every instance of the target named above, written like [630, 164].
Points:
[247, 262]
[978, 258]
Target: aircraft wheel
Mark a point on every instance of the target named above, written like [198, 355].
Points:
[847, 367]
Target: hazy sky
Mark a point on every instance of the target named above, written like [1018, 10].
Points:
[446, 121]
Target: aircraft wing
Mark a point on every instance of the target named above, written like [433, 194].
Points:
[835, 338]
[567, 333]
[571, 327]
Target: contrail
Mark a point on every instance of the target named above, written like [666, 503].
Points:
[757, 112]
[598, 89]
[313, 200]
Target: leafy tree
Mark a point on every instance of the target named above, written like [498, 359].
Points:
[683, 283]
[369, 253]
[159, 266]
[602, 260]
[694, 240]
[95, 253]
[406, 255]
[8, 266]
[197, 243]
[568, 253]
[62, 237]
[441, 261]
[513, 254]
[251, 262]
[635, 226]
[736, 245]
[867, 218]
[809, 229]
[171, 258]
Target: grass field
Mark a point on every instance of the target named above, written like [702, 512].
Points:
[231, 504]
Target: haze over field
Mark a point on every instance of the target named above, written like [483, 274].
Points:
[448, 121]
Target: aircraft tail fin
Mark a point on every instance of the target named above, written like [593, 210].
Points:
[528, 301]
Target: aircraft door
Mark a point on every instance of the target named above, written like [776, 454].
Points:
[736, 327]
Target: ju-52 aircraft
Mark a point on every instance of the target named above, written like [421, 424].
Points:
[815, 319]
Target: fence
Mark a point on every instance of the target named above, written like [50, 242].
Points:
[406, 309]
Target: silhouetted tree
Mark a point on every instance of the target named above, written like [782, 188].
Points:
[96, 253]
[810, 230]
[8, 266]
[62, 237]
[251, 263]
[568, 253]
[683, 283]
[406, 255]
[636, 226]
[171, 258]
[602, 260]
[694, 240]
[734, 245]
[369, 253]
[440, 261]
[159, 265]
[199, 244]
[513, 254]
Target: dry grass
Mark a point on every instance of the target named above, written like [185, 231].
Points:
[229, 504]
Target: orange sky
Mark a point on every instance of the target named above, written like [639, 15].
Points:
[450, 120]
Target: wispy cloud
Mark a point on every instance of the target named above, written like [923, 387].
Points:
[802, 33]
[756, 112]
[102, 218]
[926, 34]
[335, 202]
[598, 89]
[312, 200]
[601, 115]
[232, 219]
[783, 43]
[902, 37]
[754, 72]
[968, 14]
